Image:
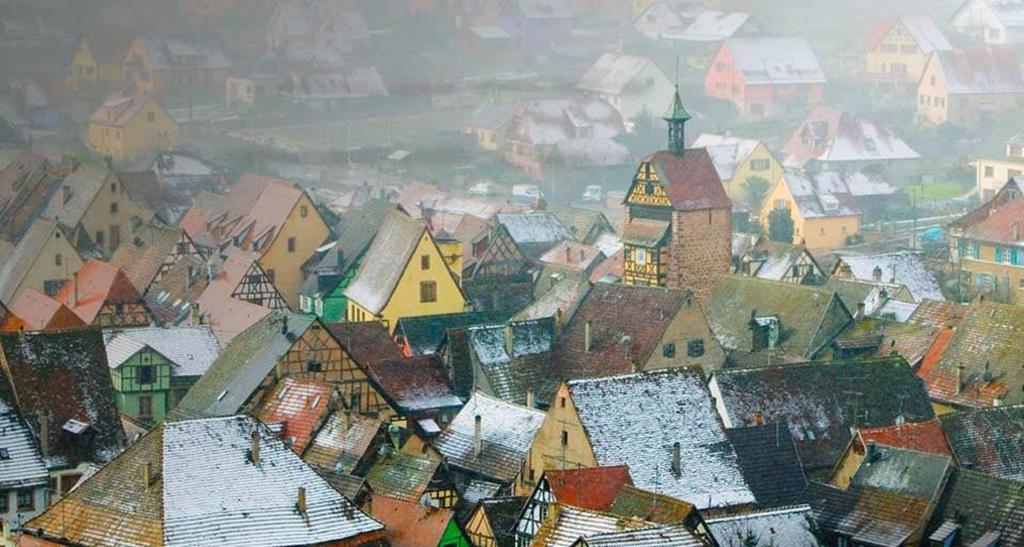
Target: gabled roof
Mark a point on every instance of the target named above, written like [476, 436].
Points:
[295, 410]
[999, 226]
[423, 334]
[93, 285]
[82, 184]
[551, 121]
[142, 257]
[190, 349]
[841, 136]
[414, 384]
[980, 70]
[726, 151]
[342, 442]
[23, 465]
[822, 401]
[938, 314]
[205, 489]
[868, 515]
[832, 193]
[26, 185]
[242, 365]
[63, 377]
[921, 28]
[904, 267]
[926, 436]
[592, 488]
[513, 367]
[618, 340]
[410, 524]
[650, 536]
[676, 408]
[226, 315]
[255, 209]
[507, 431]
[367, 342]
[809, 316]
[632, 502]
[775, 60]
[171, 299]
[769, 462]
[777, 259]
[19, 263]
[691, 180]
[988, 440]
[120, 107]
[184, 51]
[779, 526]
[535, 228]
[401, 475]
[108, 45]
[612, 73]
[384, 263]
[33, 310]
[920, 475]
[982, 504]
[565, 524]
[502, 515]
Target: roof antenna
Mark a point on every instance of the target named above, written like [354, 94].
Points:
[677, 70]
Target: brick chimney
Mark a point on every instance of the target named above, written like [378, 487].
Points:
[677, 468]
[478, 442]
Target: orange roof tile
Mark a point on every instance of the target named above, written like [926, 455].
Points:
[33, 310]
[410, 524]
[924, 436]
[95, 283]
[299, 406]
[593, 488]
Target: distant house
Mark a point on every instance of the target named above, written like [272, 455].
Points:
[534, 233]
[537, 23]
[778, 261]
[158, 63]
[904, 268]
[826, 206]
[403, 273]
[26, 485]
[691, 22]
[985, 247]
[898, 49]
[96, 61]
[761, 75]
[539, 125]
[992, 172]
[969, 87]
[303, 25]
[130, 125]
[26, 185]
[635, 86]
[992, 21]
[487, 124]
[103, 295]
[43, 260]
[667, 415]
[830, 139]
[328, 90]
[737, 160]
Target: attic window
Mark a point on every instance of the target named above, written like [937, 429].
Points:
[668, 350]
[5, 454]
[869, 144]
[695, 347]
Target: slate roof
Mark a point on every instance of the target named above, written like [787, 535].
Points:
[612, 73]
[23, 465]
[909, 340]
[906, 268]
[415, 384]
[502, 516]
[295, 410]
[691, 180]
[63, 376]
[980, 70]
[987, 344]
[205, 490]
[652, 310]
[926, 436]
[242, 365]
[651, 536]
[507, 432]
[514, 367]
[410, 524]
[190, 349]
[542, 229]
[594, 488]
[546, 122]
[632, 502]
[988, 440]
[982, 504]
[922, 29]
[336, 447]
[842, 136]
[810, 318]
[769, 462]
[367, 342]
[403, 476]
[823, 193]
[916, 474]
[868, 515]
[26, 185]
[775, 60]
[19, 263]
[379, 271]
[781, 526]
[424, 334]
[676, 408]
[821, 401]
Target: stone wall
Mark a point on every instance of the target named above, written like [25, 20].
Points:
[701, 250]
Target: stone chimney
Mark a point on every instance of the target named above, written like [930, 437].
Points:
[478, 441]
[254, 447]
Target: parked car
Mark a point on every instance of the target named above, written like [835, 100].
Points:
[483, 189]
[527, 195]
[591, 194]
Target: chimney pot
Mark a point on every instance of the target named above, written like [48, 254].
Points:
[254, 447]
[478, 443]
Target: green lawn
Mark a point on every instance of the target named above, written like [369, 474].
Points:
[938, 190]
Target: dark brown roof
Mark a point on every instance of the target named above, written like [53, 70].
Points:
[414, 384]
[109, 46]
[691, 181]
[144, 188]
[171, 299]
[983, 504]
[368, 342]
[769, 462]
[868, 515]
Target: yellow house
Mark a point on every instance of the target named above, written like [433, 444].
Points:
[824, 212]
[992, 172]
[277, 219]
[404, 273]
[968, 88]
[738, 160]
[130, 125]
[898, 50]
[97, 60]
[42, 260]
[986, 245]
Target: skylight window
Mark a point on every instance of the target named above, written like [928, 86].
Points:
[5, 454]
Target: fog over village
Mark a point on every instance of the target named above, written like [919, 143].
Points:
[512, 273]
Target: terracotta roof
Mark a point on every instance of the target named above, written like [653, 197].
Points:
[869, 515]
[989, 440]
[938, 314]
[33, 310]
[254, 209]
[415, 384]
[119, 108]
[97, 283]
[297, 406]
[691, 180]
[926, 436]
[999, 226]
[367, 342]
[410, 524]
[588, 487]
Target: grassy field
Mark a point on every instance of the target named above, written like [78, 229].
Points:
[938, 190]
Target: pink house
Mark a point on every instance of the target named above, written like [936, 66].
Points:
[761, 75]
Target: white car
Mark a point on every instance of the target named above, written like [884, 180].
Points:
[526, 194]
[483, 189]
[592, 194]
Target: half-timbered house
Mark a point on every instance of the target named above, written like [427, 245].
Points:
[500, 277]
[239, 293]
[153, 250]
[677, 228]
[780, 261]
[103, 295]
[492, 522]
[413, 478]
[591, 488]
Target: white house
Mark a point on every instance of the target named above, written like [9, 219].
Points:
[994, 21]
[633, 85]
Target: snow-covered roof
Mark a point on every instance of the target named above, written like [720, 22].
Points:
[926, 33]
[782, 526]
[981, 70]
[689, 21]
[540, 227]
[833, 135]
[550, 121]
[713, 26]
[23, 466]
[726, 151]
[821, 194]
[507, 431]
[775, 60]
[190, 349]
[905, 267]
[591, 152]
[612, 73]
[635, 419]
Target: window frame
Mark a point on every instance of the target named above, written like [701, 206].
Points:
[428, 291]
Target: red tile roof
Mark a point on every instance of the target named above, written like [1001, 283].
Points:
[878, 32]
[593, 488]
[924, 436]
[999, 226]
[410, 524]
[97, 282]
[33, 310]
[299, 407]
[691, 181]
[254, 209]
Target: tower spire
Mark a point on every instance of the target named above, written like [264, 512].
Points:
[676, 117]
